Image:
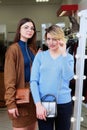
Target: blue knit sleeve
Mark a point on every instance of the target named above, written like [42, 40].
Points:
[34, 80]
[68, 67]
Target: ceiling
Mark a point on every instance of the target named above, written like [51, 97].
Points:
[26, 2]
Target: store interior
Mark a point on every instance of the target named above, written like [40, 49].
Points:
[61, 12]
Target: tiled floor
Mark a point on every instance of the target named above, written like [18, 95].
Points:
[5, 123]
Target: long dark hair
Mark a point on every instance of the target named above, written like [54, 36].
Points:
[32, 41]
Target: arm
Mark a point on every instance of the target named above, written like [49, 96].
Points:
[34, 80]
[10, 81]
[34, 83]
[68, 62]
[68, 67]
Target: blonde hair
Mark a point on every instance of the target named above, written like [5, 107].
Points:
[56, 32]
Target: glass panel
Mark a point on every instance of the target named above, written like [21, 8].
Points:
[2, 45]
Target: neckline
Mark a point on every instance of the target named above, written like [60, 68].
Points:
[22, 43]
[53, 58]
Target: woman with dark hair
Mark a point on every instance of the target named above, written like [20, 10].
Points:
[18, 61]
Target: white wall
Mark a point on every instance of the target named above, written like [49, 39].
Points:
[83, 5]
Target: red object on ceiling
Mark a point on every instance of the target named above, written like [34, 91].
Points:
[67, 10]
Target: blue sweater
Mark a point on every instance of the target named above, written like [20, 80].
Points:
[28, 58]
[52, 76]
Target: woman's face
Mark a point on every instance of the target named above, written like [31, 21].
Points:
[52, 43]
[26, 31]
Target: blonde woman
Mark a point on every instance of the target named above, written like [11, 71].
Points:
[51, 73]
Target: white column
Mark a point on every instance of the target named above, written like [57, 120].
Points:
[80, 69]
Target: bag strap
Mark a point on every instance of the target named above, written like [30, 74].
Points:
[48, 95]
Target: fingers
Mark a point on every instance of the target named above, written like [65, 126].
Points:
[41, 117]
[61, 44]
[39, 50]
[14, 112]
[14, 115]
[62, 47]
[41, 112]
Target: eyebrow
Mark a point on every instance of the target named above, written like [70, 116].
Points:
[27, 26]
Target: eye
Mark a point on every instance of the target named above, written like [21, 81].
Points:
[48, 39]
[54, 39]
[26, 27]
[32, 28]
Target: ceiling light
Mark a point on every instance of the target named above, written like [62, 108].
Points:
[42, 0]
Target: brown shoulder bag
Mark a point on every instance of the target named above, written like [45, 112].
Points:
[23, 95]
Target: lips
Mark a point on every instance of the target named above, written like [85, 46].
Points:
[30, 35]
[52, 46]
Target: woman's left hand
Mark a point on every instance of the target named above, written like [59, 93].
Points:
[40, 111]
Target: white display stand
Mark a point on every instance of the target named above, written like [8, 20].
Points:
[80, 58]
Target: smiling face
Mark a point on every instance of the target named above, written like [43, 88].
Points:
[52, 42]
[26, 31]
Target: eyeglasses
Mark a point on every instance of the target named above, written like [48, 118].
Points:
[51, 39]
[28, 28]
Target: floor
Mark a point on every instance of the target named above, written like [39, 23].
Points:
[5, 123]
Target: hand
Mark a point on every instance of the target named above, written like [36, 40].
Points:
[40, 111]
[62, 47]
[14, 112]
[39, 50]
